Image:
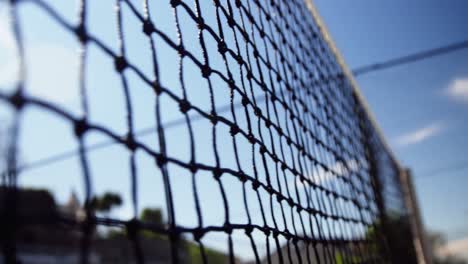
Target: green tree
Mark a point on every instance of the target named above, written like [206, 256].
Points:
[212, 255]
[152, 215]
[106, 202]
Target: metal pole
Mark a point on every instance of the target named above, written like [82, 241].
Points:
[419, 235]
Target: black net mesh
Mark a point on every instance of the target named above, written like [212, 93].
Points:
[259, 148]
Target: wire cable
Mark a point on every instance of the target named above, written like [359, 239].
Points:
[418, 56]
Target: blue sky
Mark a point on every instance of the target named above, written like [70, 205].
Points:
[421, 107]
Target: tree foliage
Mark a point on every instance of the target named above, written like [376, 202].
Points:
[106, 202]
[152, 215]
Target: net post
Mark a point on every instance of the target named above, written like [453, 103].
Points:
[421, 246]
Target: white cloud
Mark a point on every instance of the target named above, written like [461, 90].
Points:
[420, 134]
[319, 176]
[458, 89]
[457, 248]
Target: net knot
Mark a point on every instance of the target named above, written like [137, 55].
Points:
[184, 106]
[81, 33]
[275, 47]
[181, 50]
[248, 230]
[148, 27]
[213, 118]
[279, 78]
[80, 127]
[232, 84]
[217, 173]
[279, 198]
[258, 111]
[239, 60]
[275, 233]
[274, 157]
[251, 139]
[246, 36]
[130, 142]
[295, 172]
[234, 130]
[249, 75]
[201, 23]
[206, 71]
[273, 98]
[175, 3]
[17, 99]
[193, 167]
[335, 195]
[255, 184]
[262, 34]
[283, 166]
[311, 211]
[242, 177]
[227, 228]
[255, 53]
[198, 233]
[245, 100]
[222, 47]
[157, 88]
[302, 149]
[120, 63]
[161, 160]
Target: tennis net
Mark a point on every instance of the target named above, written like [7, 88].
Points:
[258, 144]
